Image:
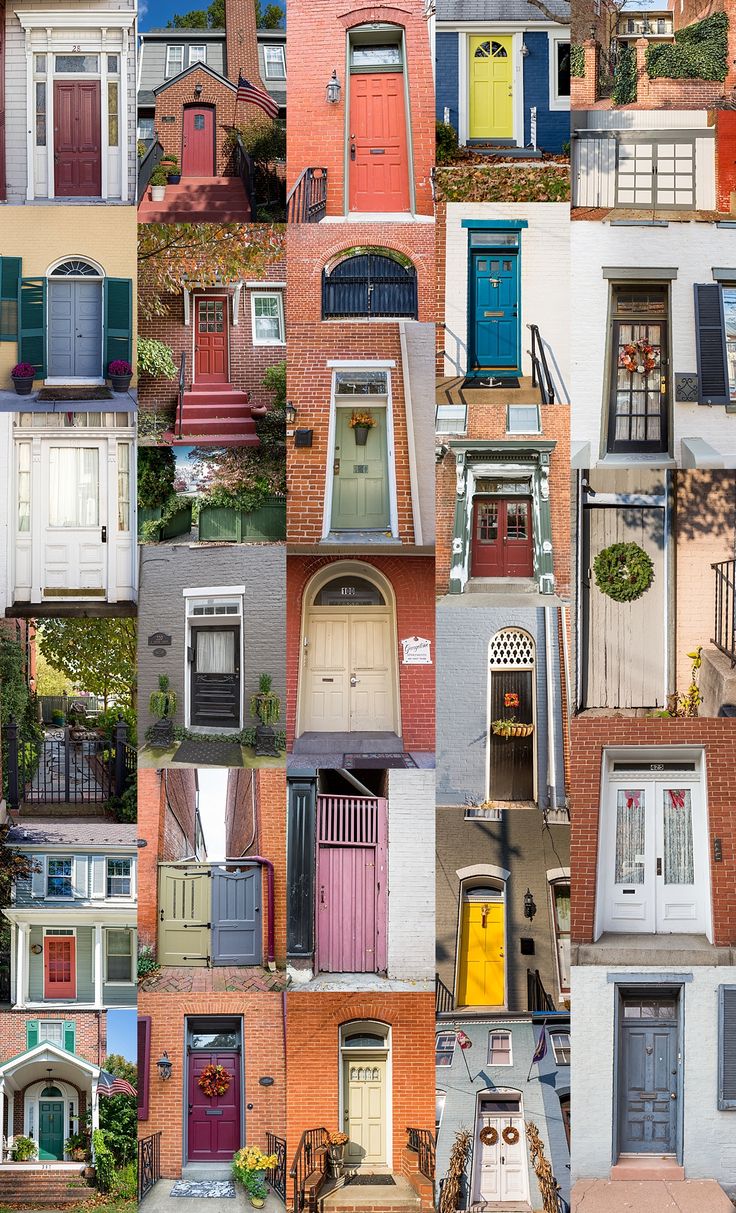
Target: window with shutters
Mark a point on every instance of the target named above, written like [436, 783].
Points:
[51, 1030]
[727, 1048]
[119, 879]
[729, 321]
[59, 878]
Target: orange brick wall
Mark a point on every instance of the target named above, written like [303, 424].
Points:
[170, 104]
[725, 121]
[169, 834]
[705, 524]
[241, 41]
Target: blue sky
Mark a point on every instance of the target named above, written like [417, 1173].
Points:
[122, 1033]
[153, 14]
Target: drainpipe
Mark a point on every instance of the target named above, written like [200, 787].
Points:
[411, 447]
[549, 666]
[271, 936]
[364, 791]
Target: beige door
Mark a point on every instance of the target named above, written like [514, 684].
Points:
[364, 1111]
[184, 894]
[349, 672]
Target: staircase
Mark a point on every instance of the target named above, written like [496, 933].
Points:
[57, 1185]
[398, 1197]
[217, 414]
[198, 200]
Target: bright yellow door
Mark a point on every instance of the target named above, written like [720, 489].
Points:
[491, 88]
[481, 981]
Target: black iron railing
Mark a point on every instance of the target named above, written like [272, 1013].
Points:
[537, 997]
[444, 1000]
[180, 392]
[309, 1168]
[541, 376]
[146, 164]
[246, 170]
[725, 609]
[422, 1142]
[149, 1163]
[276, 1176]
[69, 765]
[306, 201]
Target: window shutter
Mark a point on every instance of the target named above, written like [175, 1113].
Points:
[98, 876]
[710, 338]
[79, 881]
[144, 1059]
[726, 1047]
[69, 1031]
[118, 320]
[32, 323]
[10, 271]
[31, 1033]
[38, 878]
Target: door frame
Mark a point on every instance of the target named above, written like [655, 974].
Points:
[185, 1082]
[208, 105]
[531, 667]
[489, 31]
[387, 366]
[80, 381]
[475, 1193]
[477, 874]
[616, 280]
[69, 933]
[642, 983]
[217, 592]
[655, 137]
[32, 1099]
[384, 1054]
[225, 296]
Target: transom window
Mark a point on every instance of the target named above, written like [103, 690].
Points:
[59, 877]
[51, 1092]
[209, 607]
[560, 1042]
[210, 1036]
[512, 648]
[375, 55]
[268, 319]
[493, 238]
[650, 1007]
[498, 1105]
[349, 591]
[119, 948]
[444, 1048]
[76, 64]
[75, 268]
[64, 421]
[499, 1048]
[275, 62]
[363, 1040]
[491, 50]
[361, 383]
[119, 877]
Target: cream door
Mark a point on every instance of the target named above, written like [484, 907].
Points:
[349, 672]
[75, 521]
[364, 1111]
[371, 682]
[326, 674]
[501, 1169]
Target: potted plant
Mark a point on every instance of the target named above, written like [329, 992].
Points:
[23, 1149]
[23, 375]
[120, 373]
[265, 706]
[77, 1146]
[249, 1167]
[361, 423]
[57, 718]
[336, 1151]
[159, 180]
[162, 705]
[170, 164]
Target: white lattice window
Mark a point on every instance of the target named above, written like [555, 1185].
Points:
[512, 649]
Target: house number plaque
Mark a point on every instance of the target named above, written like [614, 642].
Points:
[416, 651]
[158, 639]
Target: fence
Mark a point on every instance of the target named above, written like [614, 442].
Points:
[77, 766]
[149, 1163]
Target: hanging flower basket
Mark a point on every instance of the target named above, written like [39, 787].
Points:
[638, 357]
[623, 572]
[214, 1080]
[511, 728]
[361, 423]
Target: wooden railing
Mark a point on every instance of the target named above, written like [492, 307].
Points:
[422, 1142]
[147, 164]
[149, 1163]
[306, 201]
[309, 1168]
[541, 376]
[724, 637]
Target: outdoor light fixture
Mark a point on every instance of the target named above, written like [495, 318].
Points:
[530, 907]
[290, 413]
[524, 50]
[163, 1065]
[334, 89]
[198, 91]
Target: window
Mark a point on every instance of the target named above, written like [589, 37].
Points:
[174, 60]
[119, 877]
[729, 315]
[144, 1061]
[119, 956]
[361, 383]
[444, 1048]
[214, 608]
[349, 591]
[523, 419]
[267, 312]
[51, 1030]
[113, 121]
[74, 479]
[560, 1042]
[374, 56]
[24, 488]
[123, 486]
[59, 878]
[499, 1048]
[727, 1047]
[113, 65]
[485, 812]
[77, 64]
[145, 129]
[561, 920]
[275, 61]
[197, 54]
[451, 419]
[562, 68]
[440, 1097]
[40, 113]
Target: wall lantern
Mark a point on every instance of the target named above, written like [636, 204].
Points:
[163, 1065]
[198, 91]
[290, 413]
[524, 50]
[530, 907]
[334, 89]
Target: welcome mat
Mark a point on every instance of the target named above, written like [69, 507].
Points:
[75, 393]
[369, 1181]
[206, 753]
[204, 1189]
[487, 382]
[353, 762]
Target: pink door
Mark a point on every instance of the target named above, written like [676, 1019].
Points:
[351, 884]
[198, 146]
[213, 1133]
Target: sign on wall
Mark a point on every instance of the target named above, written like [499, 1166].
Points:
[416, 651]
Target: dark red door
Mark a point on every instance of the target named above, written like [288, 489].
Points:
[379, 159]
[214, 1121]
[198, 148]
[210, 342]
[77, 139]
[502, 538]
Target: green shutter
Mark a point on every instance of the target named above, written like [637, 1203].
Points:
[31, 1033]
[32, 323]
[69, 1036]
[118, 320]
[10, 271]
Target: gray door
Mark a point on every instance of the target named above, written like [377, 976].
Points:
[75, 330]
[236, 916]
[648, 1080]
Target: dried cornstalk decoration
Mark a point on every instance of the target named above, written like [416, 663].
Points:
[451, 1188]
[548, 1185]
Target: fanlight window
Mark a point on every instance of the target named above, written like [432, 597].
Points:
[364, 1040]
[349, 591]
[491, 50]
[512, 648]
[51, 1093]
[75, 269]
[369, 284]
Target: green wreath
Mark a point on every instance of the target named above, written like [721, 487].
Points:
[623, 571]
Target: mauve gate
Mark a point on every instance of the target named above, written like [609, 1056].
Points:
[351, 884]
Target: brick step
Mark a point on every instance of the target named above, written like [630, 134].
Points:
[216, 408]
[219, 425]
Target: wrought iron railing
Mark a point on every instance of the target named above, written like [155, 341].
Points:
[725, 609]
[276, 1176]
[444, 1000]
[180, 391]
[541, 376]
[310, 1162]
[69, 765]
[306, 201]
[422, 1142]
[537, 997]
[146, 164]
[246, 170]
[149, 1163]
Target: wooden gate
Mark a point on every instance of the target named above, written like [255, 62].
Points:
[237, 928]
[351, 884]
[184, 914]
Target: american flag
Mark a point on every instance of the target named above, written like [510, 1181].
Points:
[256, 96]
[110, 1084]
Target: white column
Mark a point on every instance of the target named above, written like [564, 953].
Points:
[50, 141]
[105, 130]
[31, 112]
[21, 965]
[39, 512]
[98, 965]
[125, 150]
[95, 1112]
[110, 494]
[10, 1130]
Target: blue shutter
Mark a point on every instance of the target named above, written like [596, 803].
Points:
[10, 271]
[710, 339]
[32, 323]
[118, 320]
[726, 1047]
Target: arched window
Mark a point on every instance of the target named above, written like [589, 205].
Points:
[512, 649]
[369, 282]
[491, 50]
[350, 592]
[75, 268]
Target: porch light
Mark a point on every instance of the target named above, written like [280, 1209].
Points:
[334, 89]
[164, 1067]
[524, 50]
[290, 413]
[198, 91]
[530, 907]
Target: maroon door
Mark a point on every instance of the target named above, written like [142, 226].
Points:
[502, 538]
[214, 1121]
[210, 342]
[198, 147]
[77, 139]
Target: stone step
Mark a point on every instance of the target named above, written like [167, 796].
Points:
[644, 1168]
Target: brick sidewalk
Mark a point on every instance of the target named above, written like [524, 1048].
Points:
[173, 980]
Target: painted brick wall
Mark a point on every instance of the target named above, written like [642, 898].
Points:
[90, 1040]
[411, 578]
[263, 1040]
[447, 69]
[588, 739]
[168, 829]
[705, 526]
[725, 158]
[316, 130]
[410, 885]
[553, 126]
[272, 831]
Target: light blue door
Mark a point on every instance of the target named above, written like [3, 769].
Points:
[236, 916]
[494, 295]
[75, 330]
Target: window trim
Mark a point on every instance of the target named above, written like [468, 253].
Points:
[440, 1101]
[509, 1036]
[445, 1065]
[724, 1105]
[197, 46]
[447, 433]
[553, 1032]
[106, 978]
[278, 296]
[174, 46]
[522, 432]
[554, 882]
[278, 47]
[129, 896]
[58, 896]
[555, 38]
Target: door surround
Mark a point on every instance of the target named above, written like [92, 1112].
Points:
[463, 65]
[32, 1099]
[382, 1052]
[636, 280]
[653, 984]
[97, 276]
[475, 1178]
[500, 661]
[211, 596]
[210, 1023]
[469, 878]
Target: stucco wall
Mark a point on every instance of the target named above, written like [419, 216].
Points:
[410, 874]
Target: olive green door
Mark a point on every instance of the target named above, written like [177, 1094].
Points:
[360, 496]
[51, 1129]
[184, 914]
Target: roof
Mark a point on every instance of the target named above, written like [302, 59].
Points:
[81, 832]
[193, 67]
[195, 35]
[485, 11]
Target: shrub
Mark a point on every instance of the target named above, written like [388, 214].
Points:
[23, 1149]
[104, 1162]
[156, 358]
[125, 807]
[264, 140]
[577, 61]
[162, 703]
[125, 1183]
[446, 139]
[624, 77]
[147, 962]
[156, 476]
[107, 720]
[699, 52]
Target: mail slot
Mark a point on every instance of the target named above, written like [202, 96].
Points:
[328, 679]
[493, 313]
[213, 1111]
[629, 892]
[378, 151]
[648, 1095]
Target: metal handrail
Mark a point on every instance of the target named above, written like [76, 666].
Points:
[724, 625]
[541, 376]
[147, 164]
[149, 1164]
[537, 997]
[444, 1000]
[276, 1176]
[311, 1155]
[422, 1143]
[182, 382]
[245, 169]
[306, 201]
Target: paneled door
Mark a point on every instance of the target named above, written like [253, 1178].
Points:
[638, 411]
[502, 537]
[360, 495]
[77, 139]
[198, 143]
[184, 903]
[364, 1115]
[75, 329]
[647, 1081]
[494, 318]
[51, 1130]
[237, 920]
[211, 340]
[213, 1121]
[481, 960]
[351, 884]
[215, 672]
[59, 967]
[500, 1166]
[74, 507]
[491, 85]
[379, 159]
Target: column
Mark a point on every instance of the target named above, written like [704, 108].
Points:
[98, 964]
[21, 965]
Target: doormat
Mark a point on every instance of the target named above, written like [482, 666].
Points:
[75, 393]
[206, 753]
[353, 762]
[204, 1189]
[369, 1181]
[490, 382]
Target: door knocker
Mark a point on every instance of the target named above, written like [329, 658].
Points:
[495, 282]
[484, 916]
[489, 1135]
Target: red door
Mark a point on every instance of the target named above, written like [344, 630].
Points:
[214, 1121]
[198, 147]
[77, 139]
[210, 343]
[502, 538]
[59, 966]
[379, 160]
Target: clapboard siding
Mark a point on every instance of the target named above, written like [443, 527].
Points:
[153, 58]
[597, 156]
[89, 887]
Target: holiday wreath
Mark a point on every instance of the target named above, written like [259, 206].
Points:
[638, 357]
[510, 1135]
[623, 571]
[489, 1135]
[214, 1080]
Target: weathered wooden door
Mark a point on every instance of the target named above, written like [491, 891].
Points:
[351, 884]
[60, 967]
[211, 340]
[512, 759]
[500, 1168]
[77, 139]
[74, 534]
[494, 297]
[213, 1121]
[502, 537]
[360, 495]
[51, 1130]
[198, 144]
[237, 927]
[491, 85]
[379, 159]
[184, 900]
[647, 1086]
[215, 664]
[364, 1117]
[481, 962]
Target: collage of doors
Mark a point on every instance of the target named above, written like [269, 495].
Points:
[368, 606]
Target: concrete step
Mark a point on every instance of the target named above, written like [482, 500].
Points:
[501, 585]
[398, 1197]
[644, 1168]
[689, 1196]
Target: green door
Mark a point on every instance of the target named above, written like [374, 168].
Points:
[184, 895]
[51, 1129]
[360, 499]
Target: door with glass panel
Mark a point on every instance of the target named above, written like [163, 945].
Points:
[75, 535]
[501, 1173]
[638, 412]
[648, 1074]
[215, 662]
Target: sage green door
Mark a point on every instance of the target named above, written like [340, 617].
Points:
[184, 899]
[51, 1129]
[360, 497]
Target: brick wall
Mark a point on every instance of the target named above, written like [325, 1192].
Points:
[588, 739]
[169, 115]
[411, 578]
[241, 41]
[268, 790]
[169, 831]
[263, 1052]
[241, 812]
[705, 525]
[685, 12]
[91, 1032]
[725, 121]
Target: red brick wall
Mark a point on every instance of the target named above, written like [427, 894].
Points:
[685, 12]
[263, 1039]
[91, 1032]
[725, 121]
[705, 525]
[169, 831]
[588, 739]
[269, 790]
[241, 818]
[170, 104]
[316, 130]
[241, 41]
[313, 1060]
[411, 578]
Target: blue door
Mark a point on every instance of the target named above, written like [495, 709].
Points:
[648, 1080]
[237, 930]
[494, 294]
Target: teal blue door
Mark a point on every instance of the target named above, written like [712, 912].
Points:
[51, 1129]
[494, 319]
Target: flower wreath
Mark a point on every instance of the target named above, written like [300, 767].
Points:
[489, 1135]
[638, 357]
[623, 571]
[214, 1080]
[510, 1135]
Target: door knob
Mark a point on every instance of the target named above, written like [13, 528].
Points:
[673, 1095]
[352, 151]
[162, 915]
[354, 681]
[104, 534]
[659, 866]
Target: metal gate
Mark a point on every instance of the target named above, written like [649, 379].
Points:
[237, 928]
[369, 284]
[351, 882]
[184, 900]
[67, 765]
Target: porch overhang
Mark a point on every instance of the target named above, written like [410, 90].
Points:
[33, 1066]
[86, 915]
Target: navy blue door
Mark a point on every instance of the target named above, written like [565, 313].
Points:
[648, 1086]
[236, 916]
[494, 293]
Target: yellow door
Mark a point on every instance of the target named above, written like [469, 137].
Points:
[364, 1084]
[481, 979]
[491, 88]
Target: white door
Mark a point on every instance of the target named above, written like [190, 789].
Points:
[501, 1165]
[364, 1113]
[74, 503]
[654, 857]
[348, 669]
[656, 173]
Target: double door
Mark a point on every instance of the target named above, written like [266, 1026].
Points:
[75, 329]
[656, 173]
[349, 671]
[210, 915]
[77, 139]
[500, 1166]
[215, 676]
[502, 537]
[494, 320]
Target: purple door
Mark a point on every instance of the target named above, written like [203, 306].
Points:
[351, 884]
[214, 1121]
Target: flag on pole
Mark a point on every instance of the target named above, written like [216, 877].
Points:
[110, 1084]
[539, 1052]
[256, 96]
[464, 1041]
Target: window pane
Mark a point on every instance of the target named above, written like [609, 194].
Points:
[275, 65]
[450, 419]
[24, 488]
[74, 486]
[123, 486]
[729, 312]
[267, 317]
[113, 92]
[386, 56]
[119, 956]
[444, 1048]
[630, 836]
[113, 65]
[41, 65]
[51, 1030]
[77, 63]
[563, 69]
[197, 54]
[678, 837]
[40, 113]
[440, 1097]
[361, 383]
[59, 878]
[523, 419]
[174, 60]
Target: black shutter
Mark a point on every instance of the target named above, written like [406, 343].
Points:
[727, 1047]
[144, 1064]
[710, 336]
[300, 864]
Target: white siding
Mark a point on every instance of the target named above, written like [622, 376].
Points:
[6, 505]
[411, 914]
[641, 120]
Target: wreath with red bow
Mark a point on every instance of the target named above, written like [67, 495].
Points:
[638, 357]
[214, 1080]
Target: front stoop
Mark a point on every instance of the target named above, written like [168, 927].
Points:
[379, 1198]
[645, 1168]
[685, 1196]
[717, 682]
[41, 1185]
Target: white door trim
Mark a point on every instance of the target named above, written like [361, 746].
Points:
[476, 1193]
[352, 402]
[463, 87]
[384, 1054]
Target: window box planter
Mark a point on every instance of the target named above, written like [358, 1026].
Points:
[179, 524]
[225, 523]
[511, 728]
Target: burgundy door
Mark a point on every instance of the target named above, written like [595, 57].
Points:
[214, 1121]
[77, 139]
[198, 147]
[502, 538]
[210, 342]
[351, 884]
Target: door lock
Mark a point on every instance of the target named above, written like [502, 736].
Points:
[104, 534]
[354, 681]
[352, 151]
[336, 467]
[659, 866]
[162, 915]
[322, 895]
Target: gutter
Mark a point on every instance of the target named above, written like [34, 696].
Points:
[271, 929]
[550, 671]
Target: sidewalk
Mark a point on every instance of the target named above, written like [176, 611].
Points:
[688, 1196]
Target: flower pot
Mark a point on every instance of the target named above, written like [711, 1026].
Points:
[23, 386]
[257, 1201]
[157, 193]
[258, 410]
[120, 383]
[361, 434]
[162, 734]
[174, 178]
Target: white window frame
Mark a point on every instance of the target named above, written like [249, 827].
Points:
[445, 1065]
[130, 877]
[199, 46]
[509, 1036]
[129, 932]
[556, 1048]
[47, 876]
[440, 1099]
[174, 46]
[459, 429]
[555, 880]
[278, 296]
[278, 49]
[48, 1039]
[555, 37]
[511, 431]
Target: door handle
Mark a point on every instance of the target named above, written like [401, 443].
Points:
[162, 915]
[322, 895]
[191, 1108]
[336, 468]
[352, 151]
[104, 534]
[659, 866]
[673, 1095]
[345, 1114]
[354, 681]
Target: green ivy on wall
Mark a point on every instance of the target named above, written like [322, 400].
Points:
[577, 61]
[699, 52]
[624, 77]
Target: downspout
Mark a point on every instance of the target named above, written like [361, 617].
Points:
[549, 669]
[568, 688]
[364, 791]
[411, 446]
[271, 930]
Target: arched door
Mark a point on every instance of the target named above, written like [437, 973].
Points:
[481, 960]
[198, 142]
[75, 321]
